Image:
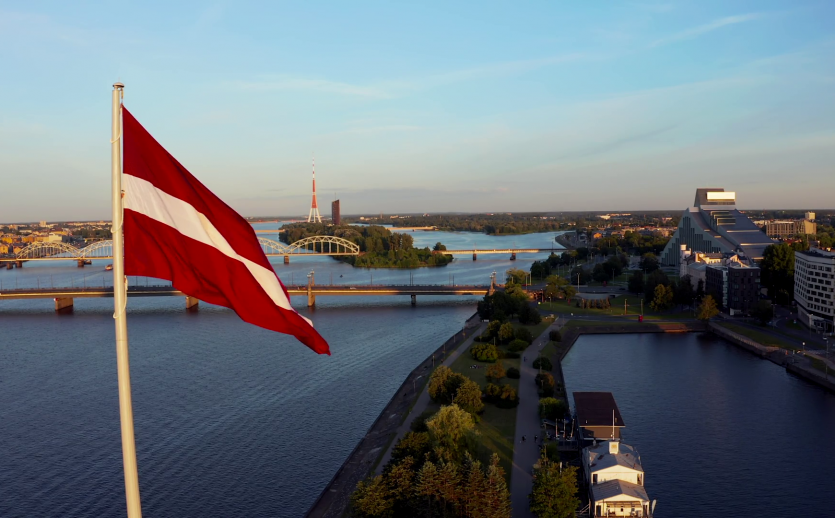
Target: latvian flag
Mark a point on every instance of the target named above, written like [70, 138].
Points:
[176, 229]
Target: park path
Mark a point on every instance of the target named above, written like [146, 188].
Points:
[423, 399]
[526, 454]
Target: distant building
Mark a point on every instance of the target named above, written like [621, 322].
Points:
[786, 229]
[814, 288]
[714, 225]
[598, 417]
[734, 286]
[335, 214]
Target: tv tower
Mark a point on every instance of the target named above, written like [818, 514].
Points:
[314, 207]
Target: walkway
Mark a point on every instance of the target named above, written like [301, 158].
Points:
[423, 399]
[526, 454]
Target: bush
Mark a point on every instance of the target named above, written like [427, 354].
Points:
[517, 346]
[554, 336]
[523, 333]
[505, 332]
[492, 391]
[484, 352]
[552, 452]
[512, 373]
[503, 396]
[544, 362]
[545, 382]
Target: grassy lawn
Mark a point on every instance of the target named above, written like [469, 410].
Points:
[760, 337]
[633, 308]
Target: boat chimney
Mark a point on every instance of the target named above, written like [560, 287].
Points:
[614, 448]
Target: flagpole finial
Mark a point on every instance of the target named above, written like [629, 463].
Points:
[118, 86]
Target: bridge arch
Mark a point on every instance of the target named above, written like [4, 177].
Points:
[327, 245]
[98, 250]
[44, 249]
[271, 246]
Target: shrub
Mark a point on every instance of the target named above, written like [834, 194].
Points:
[513, 373]
[493, 328]
[503, 396]
[523, 333]
[552, 452]
[492, 391]
[419, 423]
[517, 346]
[484, 352]
[495, 372]
[544, 362]
[554, 336]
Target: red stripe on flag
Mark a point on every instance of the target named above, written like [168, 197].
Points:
[145, 158]
[204, 272]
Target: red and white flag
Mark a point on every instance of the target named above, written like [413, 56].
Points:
[176, 229]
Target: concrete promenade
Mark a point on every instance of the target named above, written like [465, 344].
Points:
[424, 400]
[526, 454]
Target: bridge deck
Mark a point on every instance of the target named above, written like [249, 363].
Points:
[167, 291]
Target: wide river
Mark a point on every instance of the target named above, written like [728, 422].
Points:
[233, 420]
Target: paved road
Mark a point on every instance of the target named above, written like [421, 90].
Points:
[423, 399]
[526, 454]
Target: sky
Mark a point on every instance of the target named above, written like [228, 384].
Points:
[425, 106]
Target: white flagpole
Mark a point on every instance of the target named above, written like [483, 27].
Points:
[119, 301]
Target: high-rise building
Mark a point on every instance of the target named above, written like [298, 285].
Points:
[714, 225]
[335, 215]
[814, 288]
[734, 286]
[786, 229]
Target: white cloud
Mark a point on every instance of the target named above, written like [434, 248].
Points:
[708, 27]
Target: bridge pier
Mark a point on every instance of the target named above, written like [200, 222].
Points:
[513, 256]
[286, 259]
[475, 256]
[9, 265]
[63, 304]
[81, 263]
[192, 303]
[414, 299]
[19, 264]
[311, 298]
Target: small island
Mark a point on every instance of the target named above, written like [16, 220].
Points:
[379, 247]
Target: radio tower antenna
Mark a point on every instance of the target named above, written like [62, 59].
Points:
[314, 216]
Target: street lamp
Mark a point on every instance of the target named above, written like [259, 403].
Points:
[414, 381]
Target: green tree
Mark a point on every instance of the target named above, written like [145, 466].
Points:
[516, 276]
[544, 362]
[495, 372]
[529, 315]
[468, 397]
[414, 444]
[438, 381]
[439, 247]
[684, 293]
[663, 298]
[452, 432]
[649, 262]
[517, 345]
[552, 408]
[554, 490]
[493, 328]
[777, 272]
[707, 309]
[569, 291]
[496, 501]
[372, 498]
[484, 352]
[763, 311]
[636, 282]
[506, 332]
[652, 280]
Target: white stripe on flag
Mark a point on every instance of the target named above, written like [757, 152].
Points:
[143, 197]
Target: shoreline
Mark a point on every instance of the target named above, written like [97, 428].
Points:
[334, 499]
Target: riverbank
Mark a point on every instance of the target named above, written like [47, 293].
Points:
[334, 499]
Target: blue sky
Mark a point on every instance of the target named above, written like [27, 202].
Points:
[432, 106]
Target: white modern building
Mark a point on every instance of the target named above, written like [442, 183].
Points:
[615, 479]
[814, 288]
[714, 225]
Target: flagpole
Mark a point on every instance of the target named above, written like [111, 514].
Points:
[119, 300]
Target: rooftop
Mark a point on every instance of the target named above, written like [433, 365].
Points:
[595, 409]
[817, 252]
[599, 458]
[611, 489]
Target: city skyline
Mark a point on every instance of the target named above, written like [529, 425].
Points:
[474, 108]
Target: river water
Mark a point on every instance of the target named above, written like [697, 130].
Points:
[231, 419]
[720, 431]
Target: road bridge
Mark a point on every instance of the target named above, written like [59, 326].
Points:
[103, 250]
[511, 251]
[64, 296]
